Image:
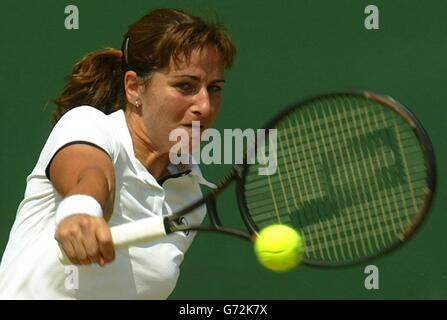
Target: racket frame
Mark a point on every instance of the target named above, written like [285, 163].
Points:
[429, 159]
[172, 222]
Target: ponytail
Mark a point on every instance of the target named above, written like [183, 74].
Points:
[150, 44]
[97, 81]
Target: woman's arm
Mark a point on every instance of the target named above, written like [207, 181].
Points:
[87, 170]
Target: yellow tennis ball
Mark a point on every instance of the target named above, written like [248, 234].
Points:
[279, 247]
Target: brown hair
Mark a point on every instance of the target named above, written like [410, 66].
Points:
[149, 45]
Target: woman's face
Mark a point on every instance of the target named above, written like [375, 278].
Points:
[182, 93]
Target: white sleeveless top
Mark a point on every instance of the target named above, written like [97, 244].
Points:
[30, 268]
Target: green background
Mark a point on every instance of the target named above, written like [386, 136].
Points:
[287, 50]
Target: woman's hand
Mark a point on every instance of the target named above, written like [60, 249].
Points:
[86, 239]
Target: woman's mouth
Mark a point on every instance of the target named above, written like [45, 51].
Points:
[193, 126]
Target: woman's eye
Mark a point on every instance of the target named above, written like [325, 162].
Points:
[184, 87]
[214, 89]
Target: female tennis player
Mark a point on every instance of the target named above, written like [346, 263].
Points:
[106, 162]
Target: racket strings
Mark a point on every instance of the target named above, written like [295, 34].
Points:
[350, 177]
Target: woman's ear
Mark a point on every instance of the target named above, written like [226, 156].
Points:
[131, 86]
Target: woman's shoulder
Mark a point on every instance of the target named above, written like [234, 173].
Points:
[84, 124]
[85, 112]
[84, 117]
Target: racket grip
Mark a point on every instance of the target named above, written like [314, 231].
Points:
[129, 234]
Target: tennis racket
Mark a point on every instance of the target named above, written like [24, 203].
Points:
[355, 174]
